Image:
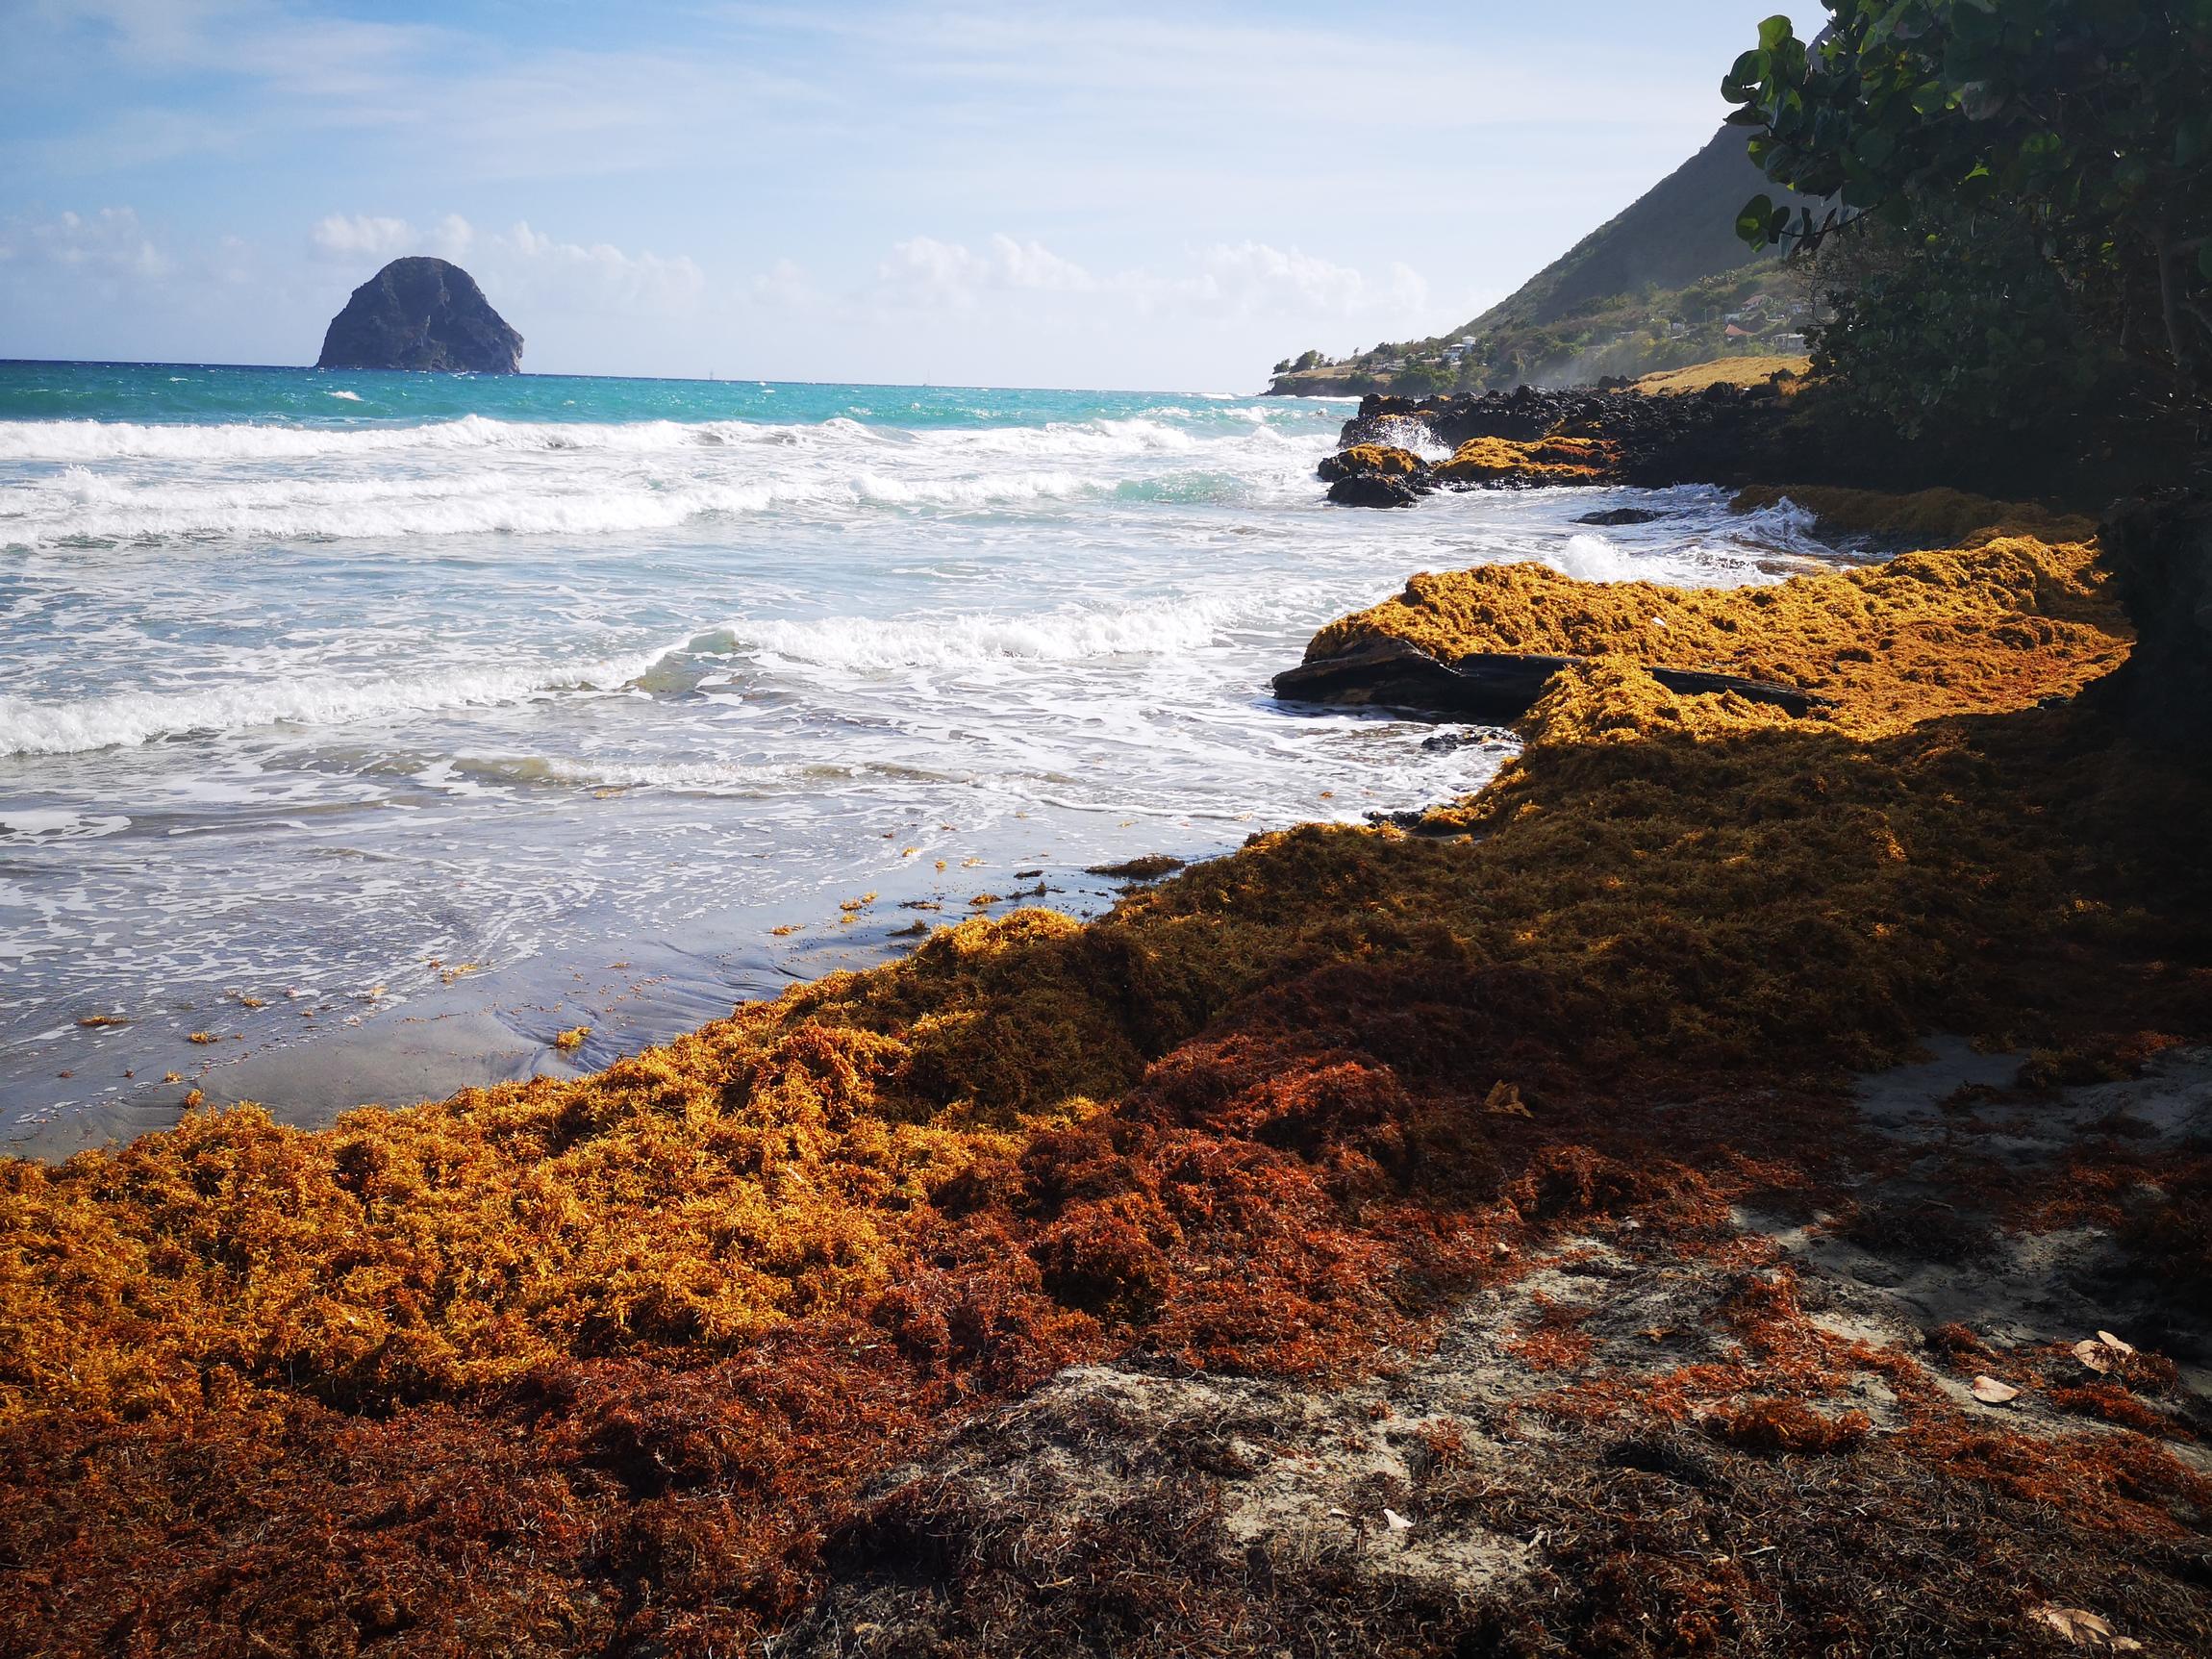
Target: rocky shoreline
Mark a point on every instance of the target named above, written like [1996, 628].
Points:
[1726, 434]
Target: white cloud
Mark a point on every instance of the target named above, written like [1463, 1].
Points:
[354, 237]
[525, 263]
[1244, 279]
[596, 276]
[108, 245]
[453, 237]
[925, 271]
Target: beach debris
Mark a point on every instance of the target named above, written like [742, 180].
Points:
[1397, 1522]
[2094, 1354]
[787, 930]
[203, 1037]
[908, 851]
[850, 905]
[173, 1077]
[2084, 1628]
[1148, 867]
[1335, 1514]
[2126, 1351]
[1504, 1101]
[246, 1000]
[194, 1099]
[1990, 1392]
[571, 1039]
[448, 974]
[372, 993]
[912, 930]
[92, 1021]
[983, 900]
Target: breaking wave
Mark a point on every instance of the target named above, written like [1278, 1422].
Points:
[861, 643]
[127, 718]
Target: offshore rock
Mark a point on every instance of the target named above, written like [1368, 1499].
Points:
[1377, 489]
[421, 313]
[1375, 475]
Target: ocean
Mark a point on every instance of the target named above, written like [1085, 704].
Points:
[377, 728]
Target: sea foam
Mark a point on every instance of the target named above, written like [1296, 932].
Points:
[124, 718]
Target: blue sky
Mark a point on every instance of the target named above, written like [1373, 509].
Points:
[1166, 196]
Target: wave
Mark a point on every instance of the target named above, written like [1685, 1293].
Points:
[846, 643]
[81, 507]
[128, 719]
[97, 440]
[967, 639]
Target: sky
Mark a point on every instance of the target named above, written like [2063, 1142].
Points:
[1165, 197]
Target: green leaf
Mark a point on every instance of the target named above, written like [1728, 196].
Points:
[1753, 222]
[1775, 31]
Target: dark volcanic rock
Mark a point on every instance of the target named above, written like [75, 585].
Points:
[421, 313]
[1726, 435]
[1621, 515]
[1376, 489]
[1375, 475]
[1485, 685]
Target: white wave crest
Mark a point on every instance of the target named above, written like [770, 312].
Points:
[1593, 559]
[79, 505]
[96, 440]
[864, 642]
[127, 718]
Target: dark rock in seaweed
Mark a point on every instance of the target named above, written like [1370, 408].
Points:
[421, 313]
[1375, 475]
[1485, 685]
[1374, 489]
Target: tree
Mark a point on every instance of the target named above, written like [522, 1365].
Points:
[2083, 125]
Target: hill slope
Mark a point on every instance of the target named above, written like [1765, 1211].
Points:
[1652, 287]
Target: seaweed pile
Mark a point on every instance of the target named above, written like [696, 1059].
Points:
[647, 1361]
[1995, 627]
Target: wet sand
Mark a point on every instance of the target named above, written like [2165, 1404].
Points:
[308, 1059]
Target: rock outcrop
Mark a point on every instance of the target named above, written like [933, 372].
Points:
[421, 313]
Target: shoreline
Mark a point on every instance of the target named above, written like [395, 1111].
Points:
[1540, 1157]
[482, 1028]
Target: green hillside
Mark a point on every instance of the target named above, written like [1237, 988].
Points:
[1667, 282]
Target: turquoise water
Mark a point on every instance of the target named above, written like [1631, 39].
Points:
[317, 686]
